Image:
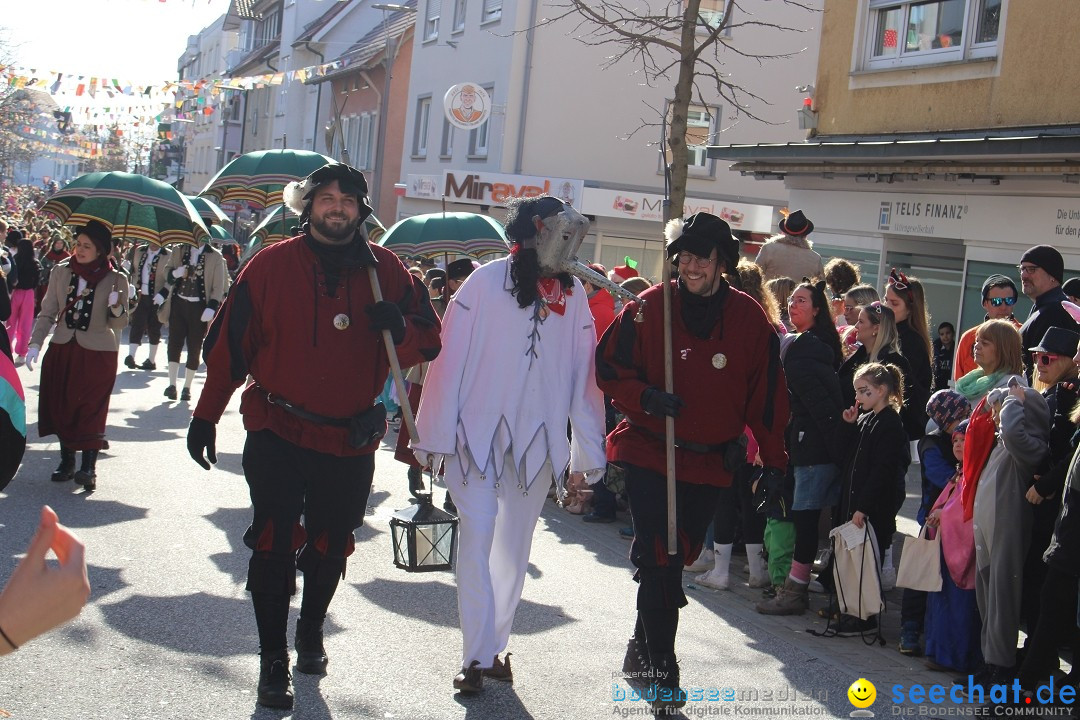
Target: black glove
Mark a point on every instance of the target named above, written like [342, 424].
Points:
[202, 435]
[386, 315]
[659, 403]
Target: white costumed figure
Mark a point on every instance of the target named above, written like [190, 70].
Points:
[516, 363]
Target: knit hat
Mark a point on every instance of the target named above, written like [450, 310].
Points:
[961, 429]
[997, 281]
[946, 407]
[1048, 258]
[1072, 287]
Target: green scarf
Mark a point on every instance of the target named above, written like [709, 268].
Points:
[977, 383]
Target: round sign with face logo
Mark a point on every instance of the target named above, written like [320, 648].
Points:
[467, 105]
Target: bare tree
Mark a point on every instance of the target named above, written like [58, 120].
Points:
[678, 41]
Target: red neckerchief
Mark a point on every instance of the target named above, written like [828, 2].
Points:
[551, 292]
[92, 272]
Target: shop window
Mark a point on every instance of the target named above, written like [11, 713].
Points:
[923, 33]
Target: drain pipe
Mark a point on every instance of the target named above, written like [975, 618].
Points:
[520, 152]
[318, 97]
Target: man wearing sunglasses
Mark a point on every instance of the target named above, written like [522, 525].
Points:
[998, 300]
[1042, 270]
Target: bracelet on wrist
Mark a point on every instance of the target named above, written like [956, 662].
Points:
[8, 640]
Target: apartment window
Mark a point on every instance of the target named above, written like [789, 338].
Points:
[365, 141]
[431, 20]
[710, 15]
[701, 128]
[447, 148]
[478, 137]
[459, 15]
[270, 28]
[492, 10]
[423, 115]
[922, 33]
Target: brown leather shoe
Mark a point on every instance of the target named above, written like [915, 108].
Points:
[471, 679]
[500, 670]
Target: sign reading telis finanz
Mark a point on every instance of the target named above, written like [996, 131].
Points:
[484, 188]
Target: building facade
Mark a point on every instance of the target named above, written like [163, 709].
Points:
[940, 149]
[561, 122]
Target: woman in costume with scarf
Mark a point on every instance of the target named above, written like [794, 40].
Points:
[998, 357]
[87, 301]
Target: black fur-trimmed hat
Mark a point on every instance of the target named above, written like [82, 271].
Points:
[699, 234]
[297, 194]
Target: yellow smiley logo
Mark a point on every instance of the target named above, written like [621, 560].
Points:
[862, 693]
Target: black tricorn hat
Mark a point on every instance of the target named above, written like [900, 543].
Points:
[460, 269]
[1058, 341]
[796, 224]
[699, 234]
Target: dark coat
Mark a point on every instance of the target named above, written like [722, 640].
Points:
[879, 453]
[816, 402]
[1063, 553]
[26, 272]
[913, 413]
[914, 350]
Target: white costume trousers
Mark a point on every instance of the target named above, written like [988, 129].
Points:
[496, 527]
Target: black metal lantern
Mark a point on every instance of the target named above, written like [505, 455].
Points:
[424, 537]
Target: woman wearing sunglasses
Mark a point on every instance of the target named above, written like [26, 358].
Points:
[904, 295]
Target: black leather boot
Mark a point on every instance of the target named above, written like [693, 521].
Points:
[66, 470]
[310, 654]
[275, 681]
[636, 668]
[668, 692]
[87, 473]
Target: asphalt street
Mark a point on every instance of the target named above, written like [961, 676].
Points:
[169, 632]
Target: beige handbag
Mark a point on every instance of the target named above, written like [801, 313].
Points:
[856, 570]
[920, 563]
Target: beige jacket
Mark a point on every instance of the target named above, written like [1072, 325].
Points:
[160, 280]
[788, 256]
[104, 331]
[216, 279]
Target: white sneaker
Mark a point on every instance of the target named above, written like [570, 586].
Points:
[20, 360]
[704, 561]
[888, 578]
[714, 579]
[762, 581]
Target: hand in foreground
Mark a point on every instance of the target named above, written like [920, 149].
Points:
[934, 519]
[386, 315]
[1032, 496]
[859, 519]
[429, 460]
[851, 414]
[207, 315]
[202, 436]
[32, 354]
[159, 299]
[39, 596]
[657, 402]
[114, 298]
[594, 476]
[179, 272]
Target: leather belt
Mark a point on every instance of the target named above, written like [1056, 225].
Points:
[301, 412]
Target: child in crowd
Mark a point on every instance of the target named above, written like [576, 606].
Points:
[947, 408]
[879, 452]
[952, 613]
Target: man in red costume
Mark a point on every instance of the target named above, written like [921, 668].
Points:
[303, 322]
[727, 377]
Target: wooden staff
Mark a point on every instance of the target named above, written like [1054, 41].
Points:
[395, 365]
[669, 422]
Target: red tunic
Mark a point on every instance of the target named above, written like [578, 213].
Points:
[748, 391]
[278, 326]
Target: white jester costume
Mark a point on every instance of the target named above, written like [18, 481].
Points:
[496, 403]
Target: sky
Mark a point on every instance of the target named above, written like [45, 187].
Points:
[135, 40]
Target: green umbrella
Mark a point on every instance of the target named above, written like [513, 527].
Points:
[133, 206]
[259, 177]
[221, 235]
[446, 233]
[208, 210]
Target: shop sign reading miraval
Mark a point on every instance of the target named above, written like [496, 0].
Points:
[650, 207]
[484, 188]
[964, 217]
